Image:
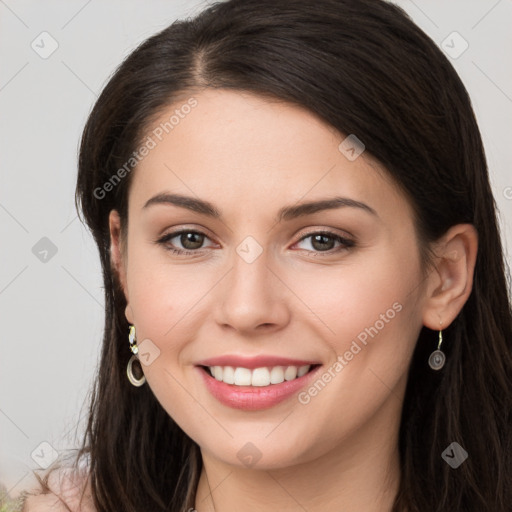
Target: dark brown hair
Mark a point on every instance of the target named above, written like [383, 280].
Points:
[365, 68]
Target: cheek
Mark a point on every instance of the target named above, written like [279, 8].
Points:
[375, 331]
[365, 297]
[152, 300]
[369, 317]
[169, 303]
[161, 298]
[159, 291]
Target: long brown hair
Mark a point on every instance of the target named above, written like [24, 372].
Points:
[365, 68]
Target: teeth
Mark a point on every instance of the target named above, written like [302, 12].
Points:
[228, 374]
[258, 377]
[276, 375]
[303, 370]
[290, 373]
[217, 372]
[242, 377]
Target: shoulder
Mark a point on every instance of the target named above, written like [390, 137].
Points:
[64, 495]
[44, 503]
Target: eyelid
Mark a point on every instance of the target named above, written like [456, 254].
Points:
[317, 230]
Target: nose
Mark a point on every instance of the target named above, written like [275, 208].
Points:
[253, 298]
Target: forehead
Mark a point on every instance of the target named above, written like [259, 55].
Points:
[234, 147]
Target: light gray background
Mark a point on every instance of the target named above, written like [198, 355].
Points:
[52, 312]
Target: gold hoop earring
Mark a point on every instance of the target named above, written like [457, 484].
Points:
[129, 372]
[135, 350]
[437, 358]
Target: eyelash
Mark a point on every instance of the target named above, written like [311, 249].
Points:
[345, 242]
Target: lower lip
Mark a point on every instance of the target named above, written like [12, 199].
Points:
[254, 398]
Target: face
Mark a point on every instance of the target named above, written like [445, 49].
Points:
[263, 288]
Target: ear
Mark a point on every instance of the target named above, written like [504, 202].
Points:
[118, 256]
[451, 281]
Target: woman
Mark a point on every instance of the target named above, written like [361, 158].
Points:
[306, 302]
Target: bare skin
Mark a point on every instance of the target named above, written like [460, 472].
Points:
[300, 298]
[66, 494]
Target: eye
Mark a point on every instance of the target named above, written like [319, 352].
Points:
[325, 241]
[191, 241]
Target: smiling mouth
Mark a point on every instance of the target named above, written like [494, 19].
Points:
[266, 376]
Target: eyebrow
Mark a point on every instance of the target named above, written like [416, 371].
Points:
[286, 213]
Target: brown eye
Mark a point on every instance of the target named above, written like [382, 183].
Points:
[326, 242]
[322, 242]
[192, 240]
[183, 242]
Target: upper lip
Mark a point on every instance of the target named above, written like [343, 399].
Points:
[253, 362]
